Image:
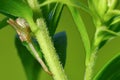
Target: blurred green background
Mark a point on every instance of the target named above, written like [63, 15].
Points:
[10, 64]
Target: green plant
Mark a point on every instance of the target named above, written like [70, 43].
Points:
[35, 22]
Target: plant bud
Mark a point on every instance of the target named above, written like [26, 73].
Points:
[112, 4]
[102, 7]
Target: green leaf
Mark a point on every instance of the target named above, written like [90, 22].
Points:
[60, 43]
[111, 71]
[30, 64]
[51, 11]
[81, 28]
[78, 4]
[3, 23]
[111, 15]
[16, 8]
[54, 17]
[105, 34]
[93, 6]
[47, 5]
[54, 10]
[115, 20]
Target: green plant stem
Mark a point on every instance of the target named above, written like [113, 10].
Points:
[49, 52]
[45, 42]
[93, 55]
[35, 8]
[89, 67]
[50, 55]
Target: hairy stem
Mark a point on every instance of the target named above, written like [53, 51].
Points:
[92, 58]
[42, 35]
[89, 67]
[46, 45]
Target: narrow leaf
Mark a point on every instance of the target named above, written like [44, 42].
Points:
[16, 8]
[78, 4]
[54, 17]
[111, 71]
[60, 43]
[3, 23]
[81, 27]
[30, 64]
[51, 11]
[105, 34]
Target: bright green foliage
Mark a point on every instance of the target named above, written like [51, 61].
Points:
[106, 20]
[19, 8]
[16, 8]
[106, 17]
